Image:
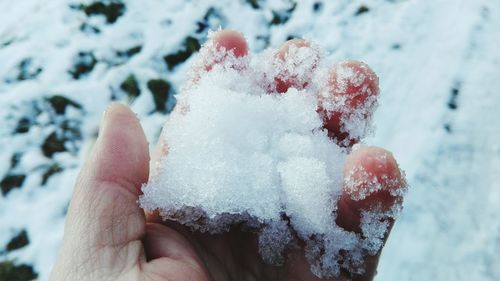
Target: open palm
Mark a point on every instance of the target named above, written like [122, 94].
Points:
[108, 237]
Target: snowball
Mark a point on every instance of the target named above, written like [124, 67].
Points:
[238, 153]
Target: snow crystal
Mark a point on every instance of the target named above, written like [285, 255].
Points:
[239, 152]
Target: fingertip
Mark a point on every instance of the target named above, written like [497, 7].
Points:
[369, 169]
[222, 47]
[352, 92]
[228, 40]
[121, 153]
[354, 80]
[373, 181]
[295, 69]
[299, 43]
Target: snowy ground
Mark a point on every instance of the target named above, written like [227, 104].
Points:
[61, 62]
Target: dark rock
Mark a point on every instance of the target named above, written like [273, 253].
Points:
[19, 241]
[10, 182]
[160, 89]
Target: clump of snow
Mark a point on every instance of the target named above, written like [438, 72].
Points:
[240, 153]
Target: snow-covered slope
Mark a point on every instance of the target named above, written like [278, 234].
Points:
[61, 62]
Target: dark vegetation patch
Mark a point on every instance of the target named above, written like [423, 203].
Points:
[60, 103]
[14, 159]
[65, 135]
[447, 127]
[189, 46]
[18, 241]
[159, 89]
[396, 46]
[27, 70]
[128, 53]
[12, 272]
[23, 125]
[265, 39]
[122, 56]
[282, 16]
[62, 139]
[52, 144]
[317, 7]
[453, 100]
[84, 63]
[361, 10]
[131, 87]
[212, 19]
[11, 181]
[111, 10]
[52, 170]
[6, 43]
[87, 28]
[254, 4]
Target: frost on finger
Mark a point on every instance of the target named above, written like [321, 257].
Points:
[242, 153]
[349, 101]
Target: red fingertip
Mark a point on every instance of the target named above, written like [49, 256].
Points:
[287, 79]
[283, 51]
[371, 169]
[353, 85]
[355, 81]
[222, 45]
[231, 40]
[372, 179]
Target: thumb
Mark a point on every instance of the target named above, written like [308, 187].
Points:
[104, 222]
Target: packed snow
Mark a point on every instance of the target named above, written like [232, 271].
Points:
[438, 64]
[238, 152]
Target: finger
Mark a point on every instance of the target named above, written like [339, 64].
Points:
[221, 47]
[373, 184]
[372, 179]
[296, 61]
[348, 103]
[230, 40]
[121, 152]
[103, 212]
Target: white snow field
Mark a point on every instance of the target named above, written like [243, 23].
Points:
[62, 62]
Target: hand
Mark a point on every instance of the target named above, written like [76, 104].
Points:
[108, 237]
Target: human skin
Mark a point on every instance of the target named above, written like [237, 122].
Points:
[109, 237]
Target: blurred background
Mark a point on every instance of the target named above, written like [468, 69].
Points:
[63, 61]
